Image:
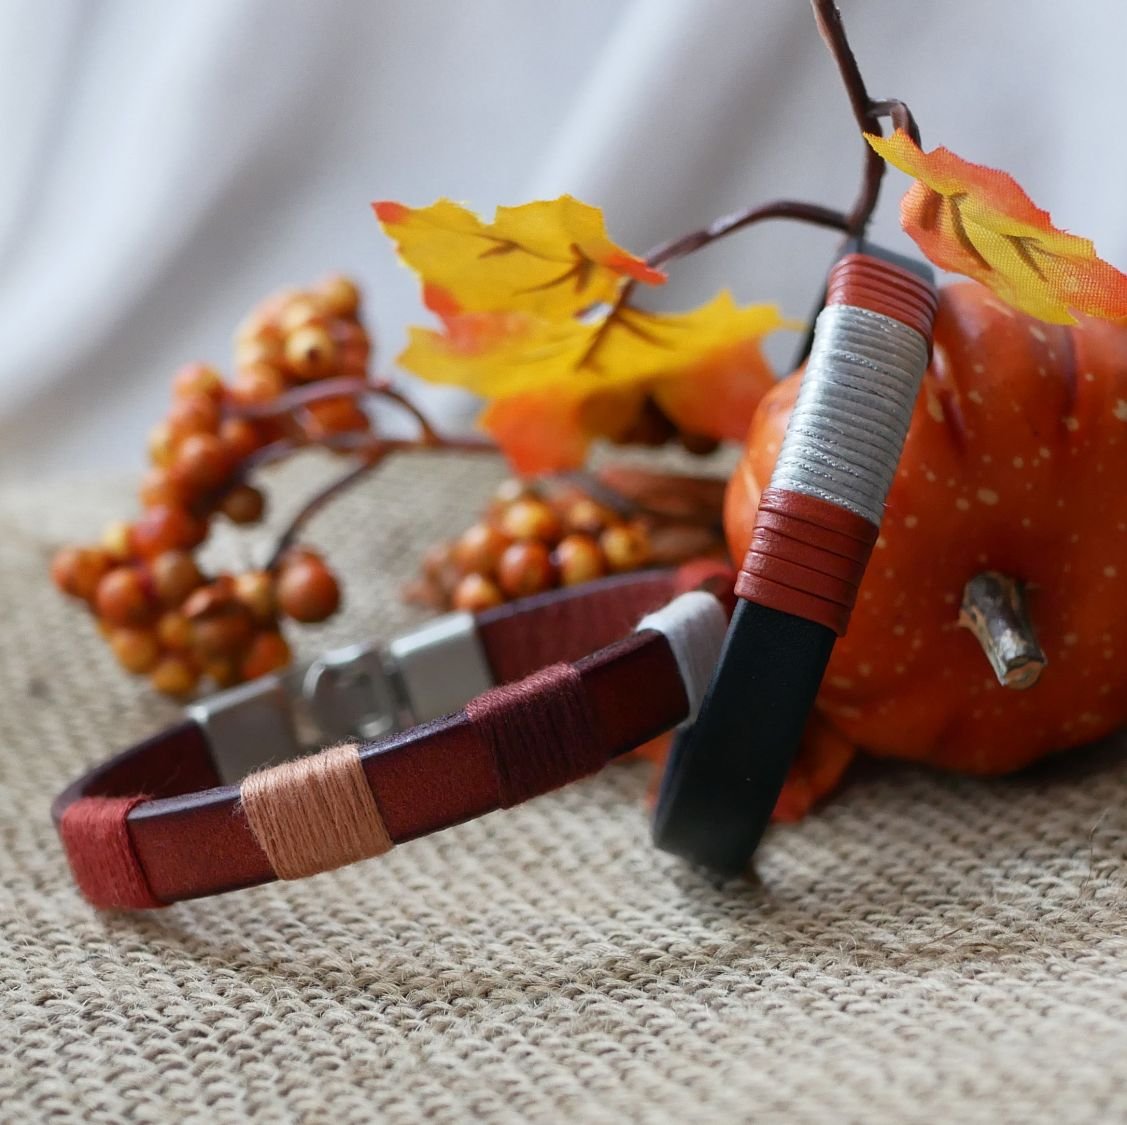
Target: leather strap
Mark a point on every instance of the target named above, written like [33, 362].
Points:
[154, 825]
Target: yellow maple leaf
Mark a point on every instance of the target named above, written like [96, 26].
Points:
[557, 384]
[548, 258]
[978, 221]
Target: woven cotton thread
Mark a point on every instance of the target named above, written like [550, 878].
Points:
[315, 813]
[695, 626]
[854, 407]
[541, 733]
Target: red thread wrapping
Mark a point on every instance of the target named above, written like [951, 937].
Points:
[807, 557]
[95, 834]
[872, 283]
[541, 733]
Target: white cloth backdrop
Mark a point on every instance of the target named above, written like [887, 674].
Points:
[165, 164]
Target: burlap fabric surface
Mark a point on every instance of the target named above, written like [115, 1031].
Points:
[926, 948]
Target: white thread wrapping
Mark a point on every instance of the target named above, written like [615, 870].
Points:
[694, 625]
[849, 424]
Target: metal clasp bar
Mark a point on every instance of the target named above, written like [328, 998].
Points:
[361, 691]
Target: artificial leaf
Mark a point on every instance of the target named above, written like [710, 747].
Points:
[978, 221]
[556, 385]
[549, 258]
[497, 355]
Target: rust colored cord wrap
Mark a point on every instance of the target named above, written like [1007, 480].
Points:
[540, 731]
[819, 518]
[95, 834]
[315, 813]
[807, 557]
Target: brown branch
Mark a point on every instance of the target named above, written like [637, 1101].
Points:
[994, 610]
[867, 113]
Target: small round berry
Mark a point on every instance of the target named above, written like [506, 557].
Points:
[174, 576]
[479, 549]
[525, 568]
[310, 352]
[268, 652]
[79, 570]
[241, 437]
[474, 593]
[339, 295]
[578, 559]
[530, 519]
[223, 670]
[175, 675]
[162, 449]
[350, 336]
[193, 414]
[123, 597]
[174, 631]
[625, 547]
[300, 312]
[158, 488]
[307, 590]
[260, 349]
[243, 504]
[164, 528]
[257, 384]
[202, 463]
[588, 516]
[197, 379]
[117, 541]
[137, 650]
[222, 634]
[255, 590]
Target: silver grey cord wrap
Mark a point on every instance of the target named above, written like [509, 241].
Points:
[854, 406]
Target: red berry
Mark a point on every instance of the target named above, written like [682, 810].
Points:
[175, 675]
[174, 576]
[79, 570]
[579, 559]
[164, 528]
[197, 379]
[243, 504]
[136, 649]
[267, 653]
[530, 519]
[339, 416]
[257, 384]
[307, 590]
[193, 414]
[474, 593]
[202, 463]
[625, 547]
[255, 590]
[158, 488]
[479, 549]
[339, 295]
[124, 598]
[174, 632]
[525, 568]
[310, 352]
[241, 437]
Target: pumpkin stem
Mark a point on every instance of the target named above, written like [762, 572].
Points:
[994, 610]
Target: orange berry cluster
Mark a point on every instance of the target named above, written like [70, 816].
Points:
[532, 539]
[163, 617]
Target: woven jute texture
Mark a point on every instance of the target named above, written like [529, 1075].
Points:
[926, 948]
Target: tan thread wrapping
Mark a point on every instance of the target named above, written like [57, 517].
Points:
[314, 813]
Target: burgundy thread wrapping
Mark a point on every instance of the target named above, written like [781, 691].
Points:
[315, 813]
[807, 557]
[541, 733]
[95, 835]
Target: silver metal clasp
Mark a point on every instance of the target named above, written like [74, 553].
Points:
[360, 691]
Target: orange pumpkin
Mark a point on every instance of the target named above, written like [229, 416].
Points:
[1016, 462]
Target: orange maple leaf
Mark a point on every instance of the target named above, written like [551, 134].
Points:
[978, 221]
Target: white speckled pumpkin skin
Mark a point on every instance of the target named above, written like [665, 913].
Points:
[1016, 461]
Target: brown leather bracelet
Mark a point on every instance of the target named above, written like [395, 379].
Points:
[164, 821]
